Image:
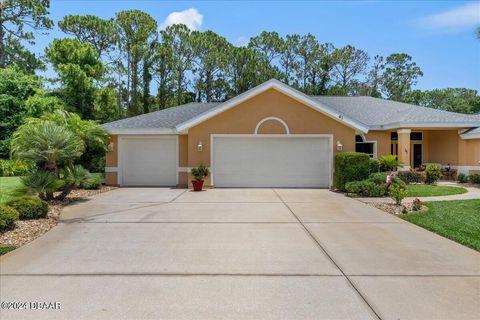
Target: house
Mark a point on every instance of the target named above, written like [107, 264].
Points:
[276, 136]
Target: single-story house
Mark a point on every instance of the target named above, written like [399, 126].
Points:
[276, 136]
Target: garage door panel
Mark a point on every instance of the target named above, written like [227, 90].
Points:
[271, 161]
[149, 161]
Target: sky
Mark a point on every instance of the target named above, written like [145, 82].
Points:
[439, 35]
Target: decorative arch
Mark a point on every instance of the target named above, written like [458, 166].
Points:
[287, 130]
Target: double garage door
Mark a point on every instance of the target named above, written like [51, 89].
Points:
[237, 161]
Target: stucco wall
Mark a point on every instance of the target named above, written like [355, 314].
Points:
[111, 160]
[443, 146]
[243, 118]
[469, 152]
[383, 141]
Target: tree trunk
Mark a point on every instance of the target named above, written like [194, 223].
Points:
[2, 42]
[66, 191]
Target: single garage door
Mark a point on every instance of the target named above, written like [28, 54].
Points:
[273, 161]
[148, 160]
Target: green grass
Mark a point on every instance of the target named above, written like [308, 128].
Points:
[7, 249]
[7, 188]
[422, 190]
[457, 220]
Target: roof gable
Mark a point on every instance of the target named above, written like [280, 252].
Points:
[282, 88]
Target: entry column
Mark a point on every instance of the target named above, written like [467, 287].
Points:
[404, 147]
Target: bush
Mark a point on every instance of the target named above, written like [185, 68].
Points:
[379, 177]
[374, 165]
[397, 193]
[16, 167]
[432, 174]
[462, 178]
[8, 216]
[417, 204]
[411, 176]
[200, 172]
[365, 188]
[389, 163]
[350, 166]
[29, 207]
[474, 178]
[94, 182]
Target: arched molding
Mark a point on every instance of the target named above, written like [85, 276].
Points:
[287, 130]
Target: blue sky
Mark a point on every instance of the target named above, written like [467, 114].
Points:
[439, 35]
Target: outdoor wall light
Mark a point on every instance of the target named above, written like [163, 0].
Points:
[200, 146]
[339, 146]
[110, 146]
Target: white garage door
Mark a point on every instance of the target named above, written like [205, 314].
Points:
[273, 161]
[148, 160]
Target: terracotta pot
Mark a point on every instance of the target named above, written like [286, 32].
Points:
[197, 185]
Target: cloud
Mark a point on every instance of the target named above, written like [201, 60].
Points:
[456, 19]
[190, 17]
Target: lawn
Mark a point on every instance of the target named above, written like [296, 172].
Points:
[422, 190]
[456, 220]
[7, 249]
[7, 186]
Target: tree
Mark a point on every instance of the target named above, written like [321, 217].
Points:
[270, 46]
[210, 59]
[46, 143]
[136, 30]
[41, 103]
[400, 75]
[18, 21]
[77, 65]
[349, 63]
[106, 105]
[163, 75]
[178, 37]
[16, 87]
[243, 70]
[461, 100]
[99, 33]
[288, 57]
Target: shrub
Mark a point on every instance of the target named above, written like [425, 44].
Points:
[474, 178]
[365, 188]
[462, 178]
[379, 177]
[8, 216]
[350, 166]
[432, 174]
[42, 182]
[374, 165]
[16, 167]
[94, 182]
[200, 172]
[399, 182]
[417, 205]
[397, 193]
[29, 207]
[389, 163]
[411, 176]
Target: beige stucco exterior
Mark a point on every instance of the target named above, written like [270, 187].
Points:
[273, 112]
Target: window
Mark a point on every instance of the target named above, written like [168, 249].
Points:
[393, 136]
[416, 136]
[368, 147]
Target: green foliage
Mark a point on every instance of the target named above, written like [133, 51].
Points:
[450, 99]
[200, 172]
[40, 103]
[16, 167]
[432, 174]
[73, 176]
[379, 177]
[15, 88]
[417, 205]
[365, 188]
[411, 176]
[29, 207]
[46, 143]
[43, 183]
[374, 165]
[106, 105]
[390, 163]
[462, 178]
[94, 182]
[8, 216]
[20, 20]
[474, 178]
[398, 193]
[6, 249]
[399, 76]
[350, 166]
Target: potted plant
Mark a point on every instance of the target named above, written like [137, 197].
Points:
[199, 173]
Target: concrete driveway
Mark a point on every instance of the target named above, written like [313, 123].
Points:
[150, 253]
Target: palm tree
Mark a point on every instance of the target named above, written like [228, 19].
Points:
[46, 143]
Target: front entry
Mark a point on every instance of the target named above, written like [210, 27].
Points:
[417, 155]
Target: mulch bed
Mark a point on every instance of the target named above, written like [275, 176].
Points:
[28, 230]
[395, 209]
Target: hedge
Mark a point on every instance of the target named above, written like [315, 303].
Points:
[29, 207]
[351, 166]
[8, 216]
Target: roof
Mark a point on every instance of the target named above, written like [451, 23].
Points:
[161, 121]
[473, 133]
[360, 112]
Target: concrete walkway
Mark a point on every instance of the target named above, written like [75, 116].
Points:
[149, 253]
[472, 193]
